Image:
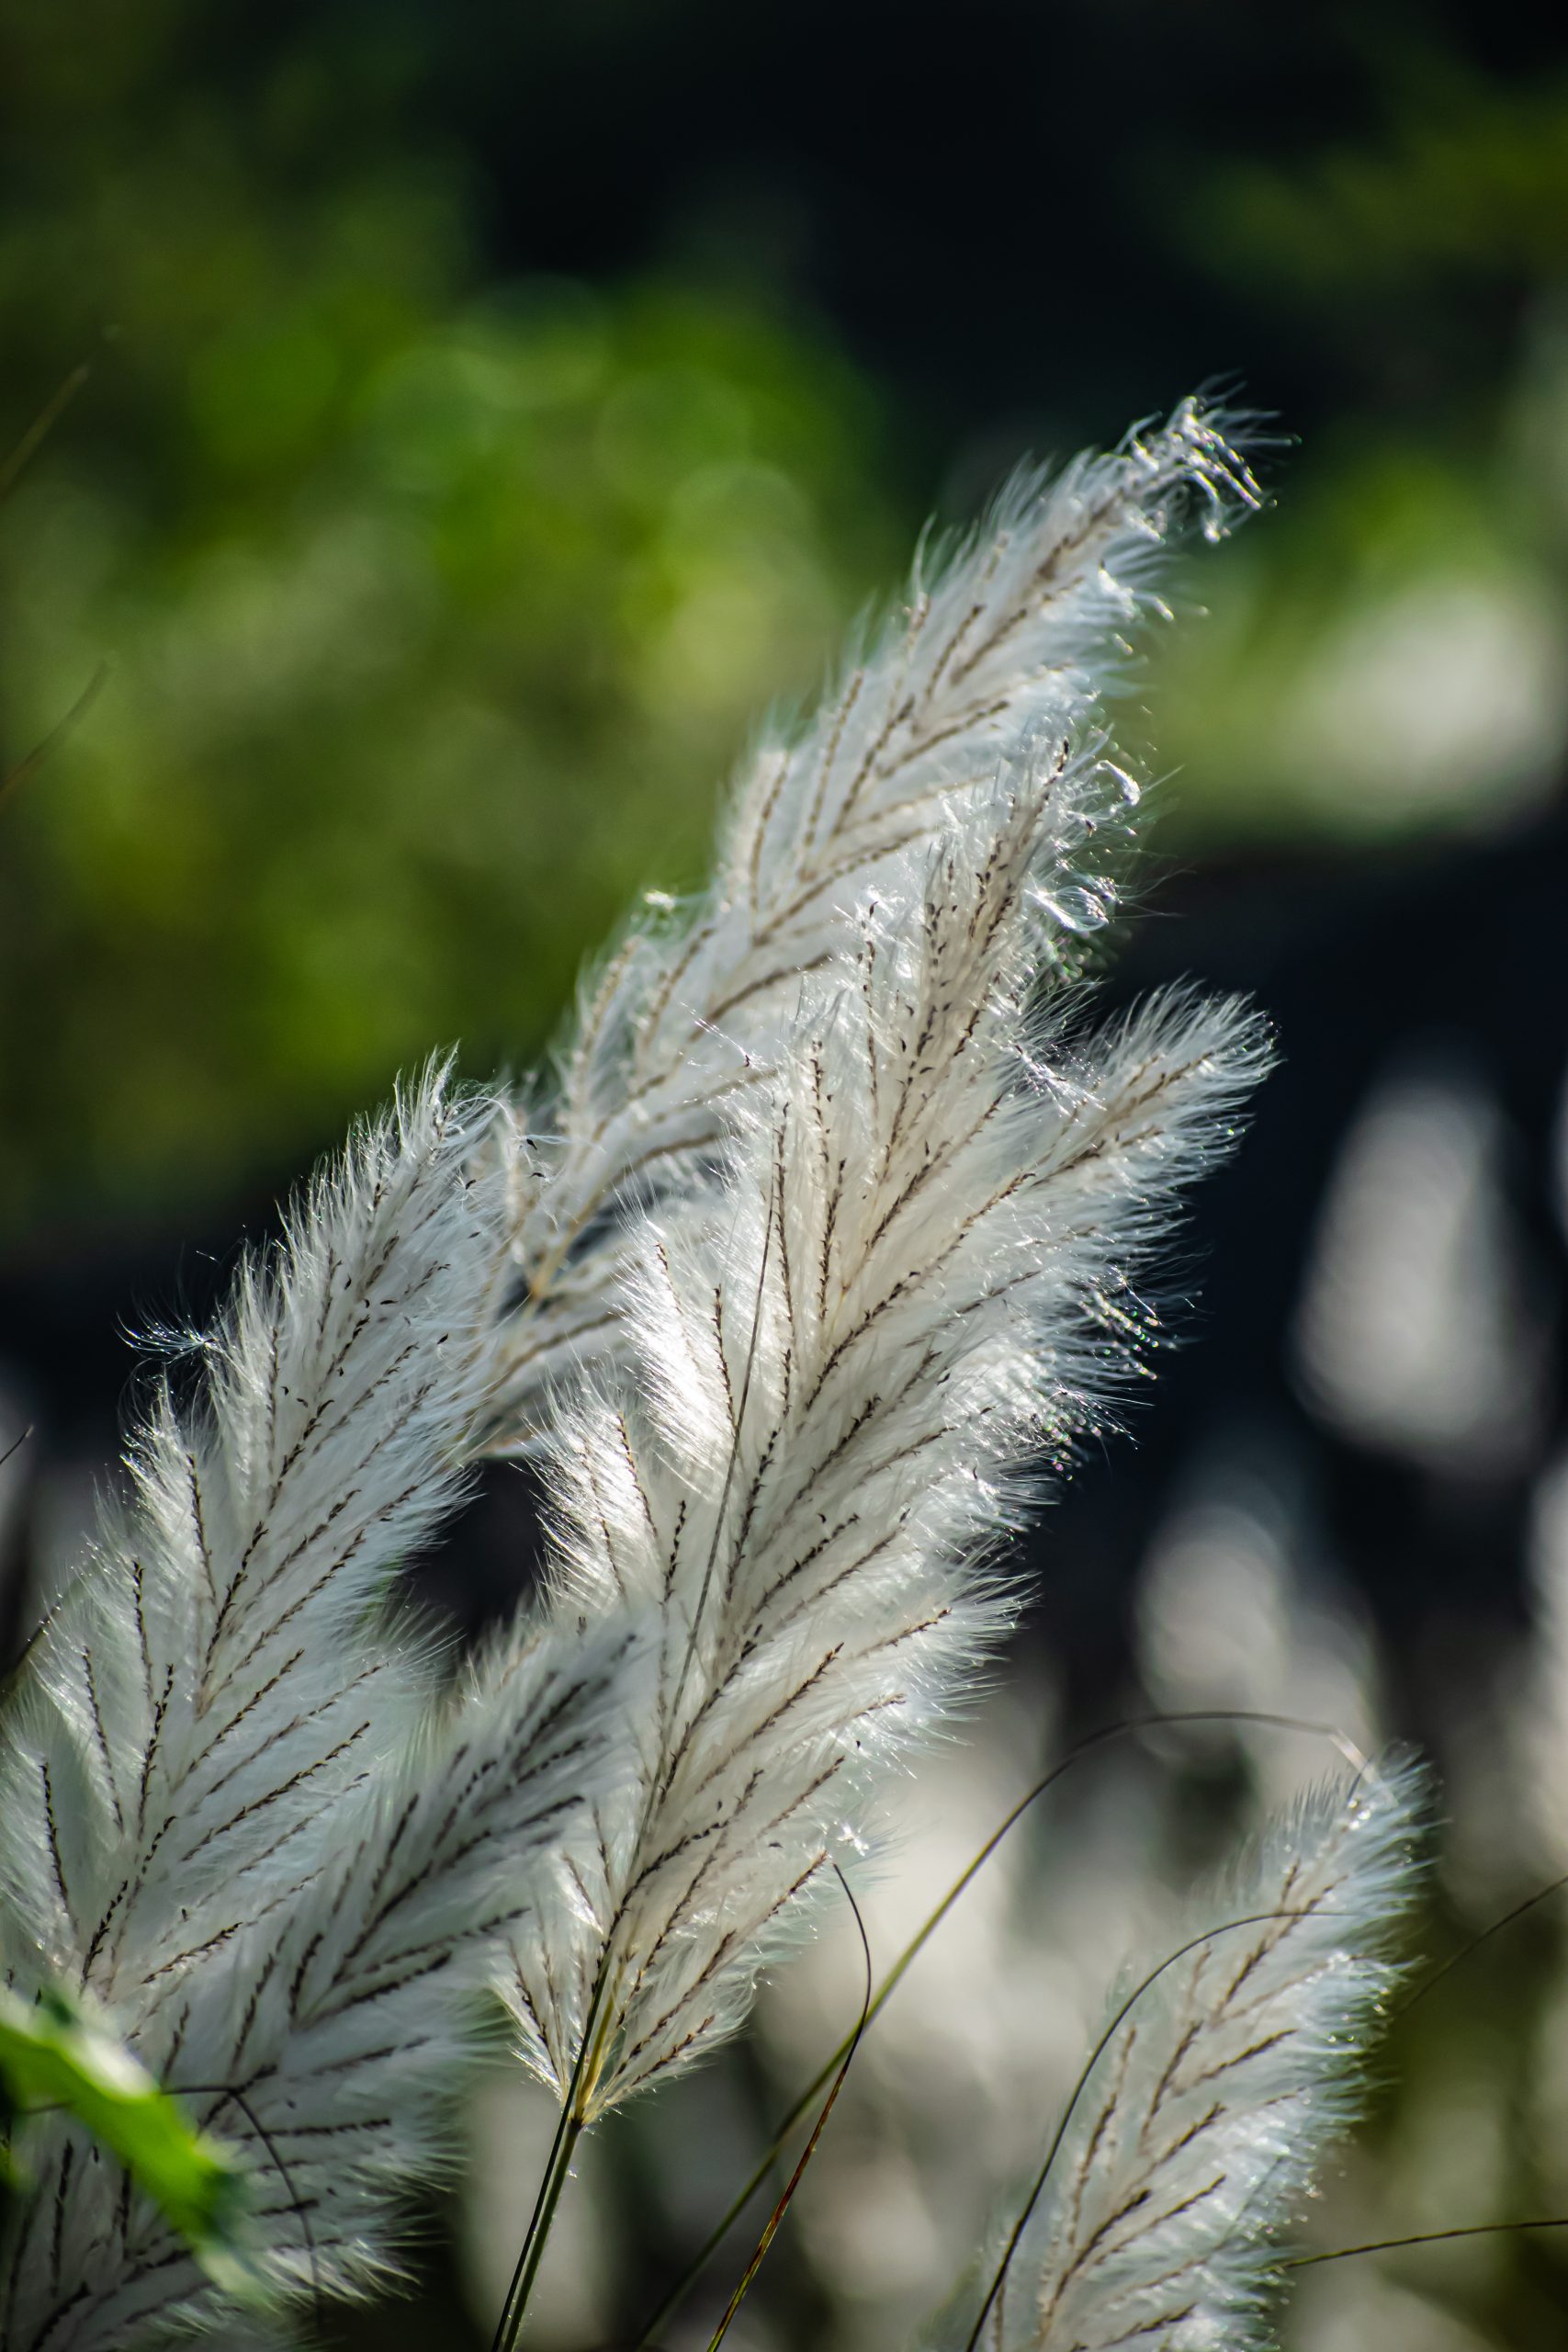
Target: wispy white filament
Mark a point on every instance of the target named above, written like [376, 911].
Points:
[245, 1829]
[1202, 2122]
[1011, 638]
[916, 1278]
[202, 1689]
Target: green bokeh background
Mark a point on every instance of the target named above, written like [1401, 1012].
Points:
[429, 587]
[424, 608]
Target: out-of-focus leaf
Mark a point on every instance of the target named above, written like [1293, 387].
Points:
[54, 2053]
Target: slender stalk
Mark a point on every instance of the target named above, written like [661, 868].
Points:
[570, 2124]
[1087, 1747]
[569, 2130]
[599, 2024]
[771, 2227]
[1425, 2237]
[999, 2278]
[15, 778]
[41, 428]
[1445, 1968]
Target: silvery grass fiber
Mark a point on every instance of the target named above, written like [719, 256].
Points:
[918, 1284]
[887, 1263]
[1227, 2069]
[267, 1843]
[1015, 635]
[829, 1244]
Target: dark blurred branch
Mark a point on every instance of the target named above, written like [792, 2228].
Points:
[39, 431]
[15, 778]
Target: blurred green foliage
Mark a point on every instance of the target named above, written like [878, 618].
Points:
[55, 2053]
[1465, 179]
[432, 612]
[432, 603]
[1389, 653]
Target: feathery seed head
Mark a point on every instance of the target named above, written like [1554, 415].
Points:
[235, 1811]
[837, 1230]
[910, 1281]
[1221, 2081]
[1006, 642]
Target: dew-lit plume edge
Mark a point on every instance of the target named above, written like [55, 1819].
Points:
[1164, 2218]
[233, 1805]
[1014, 635]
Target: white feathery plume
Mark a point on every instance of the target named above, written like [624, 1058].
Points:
[206, 1688]
[1009, 638]
[869, 1250]
[205, 1727]
[916, 1278]
[328, 2037]
[1214, 2100]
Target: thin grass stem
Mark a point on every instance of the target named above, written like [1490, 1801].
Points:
[1228, 1927]
[563, 2146]
[28, 765]
[771, 2227]
[43, 426]
[1424, 2238]
[1444, 1968]
[300, 2209]
[1075, 1754]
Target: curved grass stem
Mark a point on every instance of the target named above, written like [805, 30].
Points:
[599, 2025]
[1075, 1754]
[771, 2227]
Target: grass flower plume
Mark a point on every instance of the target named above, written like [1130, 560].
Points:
[256, 1838]
[1013, 635]
[1226, 2074]
[829, 1247]
[916, 1280]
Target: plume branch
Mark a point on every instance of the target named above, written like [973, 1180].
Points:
[1010, 636]
[1215, 2096]
[231, 1804]
[916, 1277]
[325, 2036]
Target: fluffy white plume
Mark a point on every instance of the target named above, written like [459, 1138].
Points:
[227, 1813]
[326, 2038]
[916, 1278]
[1012, 637]
[1202, 2123]
[204, 1691]
[866, 1238]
